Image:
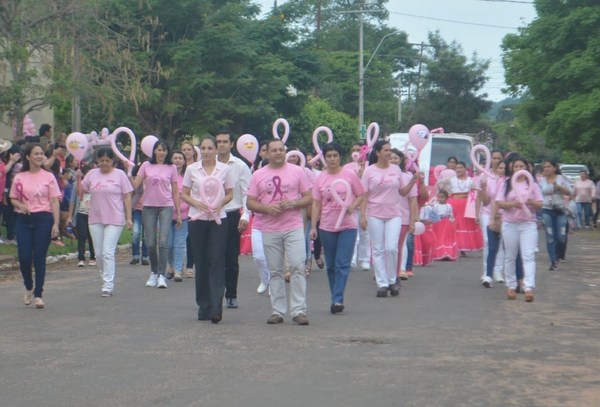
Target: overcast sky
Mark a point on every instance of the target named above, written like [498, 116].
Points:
[478, 25]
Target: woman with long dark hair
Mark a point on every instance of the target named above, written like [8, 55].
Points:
[178, 233]
[34, 194]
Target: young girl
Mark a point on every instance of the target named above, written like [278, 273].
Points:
[81, 208]
[444, 229]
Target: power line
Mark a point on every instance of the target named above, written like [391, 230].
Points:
[509, 1]
[454, 21]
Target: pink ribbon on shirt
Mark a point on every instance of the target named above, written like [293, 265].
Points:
[277, 185]
[344, 203]
[20, 193]
[522, 189]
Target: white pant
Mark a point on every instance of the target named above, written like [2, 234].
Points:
[106, 238]
[258, 254]
[523, 237]
[384, 235]
[279, 247]
[362, 251]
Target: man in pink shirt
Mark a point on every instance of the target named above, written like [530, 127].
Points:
[278, 192]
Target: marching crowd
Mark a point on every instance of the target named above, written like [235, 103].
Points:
[190, 214]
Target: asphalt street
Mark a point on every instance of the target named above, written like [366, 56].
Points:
[445, 341]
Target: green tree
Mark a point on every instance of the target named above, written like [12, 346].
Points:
[553, 64]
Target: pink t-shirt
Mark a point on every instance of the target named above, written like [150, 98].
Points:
[383, 186]
[491, 190]
[2, 176]
[191, 179]
[405, 200]
[157, 183]
[107, 206]
[271, 186]
[330, 209]
[184, 206]
[35, 190]
[518, 215]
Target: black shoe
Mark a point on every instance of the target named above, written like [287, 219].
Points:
[382, 292]
[232, 303]
[145, 262]
[215, 318]
[394, 290]
[552, 267]
[336, 308]
[134, 261]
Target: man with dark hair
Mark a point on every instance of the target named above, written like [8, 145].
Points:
[236, 222]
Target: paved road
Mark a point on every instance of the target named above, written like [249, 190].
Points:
[445, 341]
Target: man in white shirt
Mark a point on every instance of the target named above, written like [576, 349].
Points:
[237, 222]
[585, 193]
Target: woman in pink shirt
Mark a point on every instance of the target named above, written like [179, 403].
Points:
[338, 240]
[161, 194]
[191, 156]
[208, 236]
[178, 233]
[34, 194]
[380, 212]
[519, 228]
[110, 210]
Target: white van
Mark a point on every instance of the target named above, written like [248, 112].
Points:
[573, 171]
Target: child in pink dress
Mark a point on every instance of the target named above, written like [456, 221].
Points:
[444, 230]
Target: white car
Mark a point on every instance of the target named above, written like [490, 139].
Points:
[573, 171]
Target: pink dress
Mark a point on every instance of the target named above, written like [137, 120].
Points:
[445, 247]
[468, 232]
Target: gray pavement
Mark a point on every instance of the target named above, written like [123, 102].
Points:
[445, 341]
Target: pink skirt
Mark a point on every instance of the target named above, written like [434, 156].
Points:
[468, 233]
[445, 244]
[423, 254]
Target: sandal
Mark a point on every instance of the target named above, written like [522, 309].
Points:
[320, 263]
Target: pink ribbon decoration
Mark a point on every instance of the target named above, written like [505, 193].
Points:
[315, 140]
[364, 153]
[118, 153]
[212, 194]
[296, 153]
[20, 193]
[522, 189]
[286, 129]
[439, 130]
[372, 134]
[344, 203]
[488, 160]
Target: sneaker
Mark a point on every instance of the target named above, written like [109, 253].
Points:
[106, 294]
[366, 266]
[262, 288]
[162, 282]
[189, 273]
[134, 261]
[394, 290]
[152, 280]
[232, 303]
[382, 292]
[28, 297]
[38, 302]
[487, 282]
[177, 276]
[529, 295]
[403, 275]
[92, 263]
[511, 294]
[300, 319]
[498, 277]
[410, 273]
[170, 273]
[275, 319]
[552, 267]
[337, 308]
[145, 262]
[81, 263]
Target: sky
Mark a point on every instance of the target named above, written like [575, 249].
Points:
[477, 25]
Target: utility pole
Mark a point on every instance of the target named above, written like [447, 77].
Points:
[361, 76]
[76, 76]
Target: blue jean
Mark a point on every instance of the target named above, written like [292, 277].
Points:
[177, 245]
[494, 240]
[338, 248]
[137, 235]
[410, 251]
[555, 225]
[584, 208]
[157, 220]
[33, 238]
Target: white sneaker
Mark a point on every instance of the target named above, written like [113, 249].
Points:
[162, 282]
[498, 277]
[262, 288]
[152, 280]
[366, 266]
[81, 263]
[487, 282]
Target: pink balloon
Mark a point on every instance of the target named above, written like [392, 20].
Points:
[522, 189]
[247, 147]
[315, 140]
[77, 144]
[419, 228]
[118, 153]
[447, 174]
[488, 159]
[344, 203]
[437, 171]
[355, 156]
[212, 194]
[296, 153]
[372, 134]
[286, 129]
[147, 145]
[418, 136]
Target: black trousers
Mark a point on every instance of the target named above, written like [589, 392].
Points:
[208, 241]
[232, 266]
